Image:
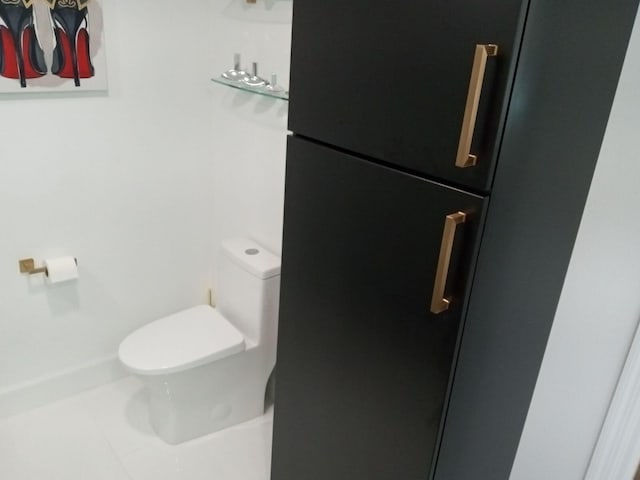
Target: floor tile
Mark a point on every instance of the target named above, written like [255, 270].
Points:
[237, 453]
[121, 410]
[104, 434]
[56, 442]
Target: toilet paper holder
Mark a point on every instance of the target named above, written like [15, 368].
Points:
[28, 265]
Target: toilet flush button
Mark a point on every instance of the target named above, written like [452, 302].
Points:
[252, 251]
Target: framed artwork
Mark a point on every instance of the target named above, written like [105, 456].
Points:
[51, 46]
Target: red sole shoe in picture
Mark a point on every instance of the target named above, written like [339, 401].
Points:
[71, 55]
[21, 56]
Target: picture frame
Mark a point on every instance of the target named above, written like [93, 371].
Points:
[52, 46]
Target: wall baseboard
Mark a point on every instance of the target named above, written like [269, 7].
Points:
[41, 391]
[617, 453]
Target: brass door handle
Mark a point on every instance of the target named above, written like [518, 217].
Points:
[439, 303]
[464, 157]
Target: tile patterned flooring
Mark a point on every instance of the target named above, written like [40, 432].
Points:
[104, 434]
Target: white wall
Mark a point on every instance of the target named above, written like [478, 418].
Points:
[599, 308]
[121, 180]
[250, 131]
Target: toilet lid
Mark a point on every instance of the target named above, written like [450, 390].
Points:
[180, 341]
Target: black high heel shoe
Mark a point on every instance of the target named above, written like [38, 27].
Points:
[21, 56]
[71, 55]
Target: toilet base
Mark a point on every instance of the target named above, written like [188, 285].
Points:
[203, 400]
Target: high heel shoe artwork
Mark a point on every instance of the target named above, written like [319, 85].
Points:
[71, 55]
[52, 46]
[21, 56]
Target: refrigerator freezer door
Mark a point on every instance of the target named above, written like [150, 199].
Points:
[363, 362]
[393, 80]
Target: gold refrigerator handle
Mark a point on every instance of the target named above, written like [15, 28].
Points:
[464, 157]
[439, 303]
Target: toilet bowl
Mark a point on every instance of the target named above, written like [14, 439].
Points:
[207, 368]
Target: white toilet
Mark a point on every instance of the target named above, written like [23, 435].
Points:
[207, 368]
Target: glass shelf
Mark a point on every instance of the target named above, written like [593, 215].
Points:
[265, 93]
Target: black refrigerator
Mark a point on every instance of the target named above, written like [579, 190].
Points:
[398, 112]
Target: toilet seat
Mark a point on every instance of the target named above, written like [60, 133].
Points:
[180, 341]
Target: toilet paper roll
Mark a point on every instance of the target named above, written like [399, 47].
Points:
[62, 269]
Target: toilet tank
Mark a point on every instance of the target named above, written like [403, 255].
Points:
[248, 288]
